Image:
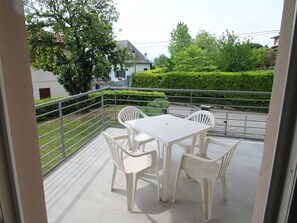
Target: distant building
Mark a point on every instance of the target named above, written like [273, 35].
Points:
[276, 41]
[141, 64]
[45, 85]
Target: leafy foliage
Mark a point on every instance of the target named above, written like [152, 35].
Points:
[193, 58]
[157, 106]
[269, 58]
[74, 40]
[237, 81]
[206, 41]
[234, 55]
[162, 61]
[180, 39]
[208, 53]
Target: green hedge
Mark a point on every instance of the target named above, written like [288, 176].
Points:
[133, 97]
[238, 81]
[257, 81]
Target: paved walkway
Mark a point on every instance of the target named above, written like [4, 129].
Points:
[239, 124]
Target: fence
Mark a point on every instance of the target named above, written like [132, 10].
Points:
[66, 125]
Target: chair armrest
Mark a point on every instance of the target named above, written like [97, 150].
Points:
[121, 137]
[199, 159]
[152, 153]
[209, 140]
[142, 154]
[127, 137]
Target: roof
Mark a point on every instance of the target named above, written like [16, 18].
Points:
[275, 37]
[56, 36]
[139, 57]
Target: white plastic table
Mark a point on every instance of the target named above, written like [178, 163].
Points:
[168, 129]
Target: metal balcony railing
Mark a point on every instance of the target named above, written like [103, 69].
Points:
[66, 125]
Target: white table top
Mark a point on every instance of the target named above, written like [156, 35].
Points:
[167, 128]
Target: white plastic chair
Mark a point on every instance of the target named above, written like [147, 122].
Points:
[133, 164]
[131, 113]
[206, 171]
[204, 117]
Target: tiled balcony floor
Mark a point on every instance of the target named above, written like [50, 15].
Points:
[79, 190]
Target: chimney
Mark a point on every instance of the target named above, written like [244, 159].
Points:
[145, 56]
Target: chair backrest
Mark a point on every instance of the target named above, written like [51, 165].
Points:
[130, 113]
[204, 117]
[116, 151]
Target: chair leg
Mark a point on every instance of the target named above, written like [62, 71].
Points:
[140, 146]
[207, 197]
[158, 181]
[131, 187]
[176, 181]
[137, 145]
[224, 186]
[190, 150]
[143, 147]
[114, 172]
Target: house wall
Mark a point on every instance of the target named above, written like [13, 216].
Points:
[130, 70]
[44, 79]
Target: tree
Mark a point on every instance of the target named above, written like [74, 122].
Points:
[180, 39]
[162, 61]
[269, 58]
[74, 40]
[193, 59]
[206, 41]
[234, 55]
[259, 55]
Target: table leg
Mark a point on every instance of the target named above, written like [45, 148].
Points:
[161, 147]
[166, 171]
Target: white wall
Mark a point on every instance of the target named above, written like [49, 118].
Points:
[139, 68]
[45, 79]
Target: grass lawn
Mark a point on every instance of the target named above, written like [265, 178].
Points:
[56, 144]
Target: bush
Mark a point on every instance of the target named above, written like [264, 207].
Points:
[233, 81]
[157, 107]
[257, 81]
[133, 97]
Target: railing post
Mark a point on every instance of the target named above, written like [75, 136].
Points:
[115, 105]
[62, 129]
[191, 102]
[226, 123]
[245, 124]
[102, 109]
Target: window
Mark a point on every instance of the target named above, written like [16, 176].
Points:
[44, 93]
[144, 69]
[120, 73]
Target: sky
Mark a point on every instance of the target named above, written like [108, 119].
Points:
[147, 24]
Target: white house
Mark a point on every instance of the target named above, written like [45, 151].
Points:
[141, 63]
[45, 85]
